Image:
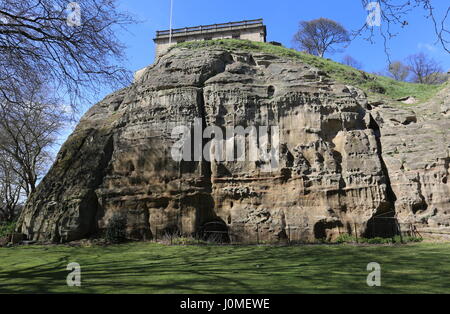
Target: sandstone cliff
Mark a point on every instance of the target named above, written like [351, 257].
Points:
[343, 159]
[416, 149]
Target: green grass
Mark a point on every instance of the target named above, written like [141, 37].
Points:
[370, 83]
[154, 268]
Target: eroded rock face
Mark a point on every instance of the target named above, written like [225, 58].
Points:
[332, 178]
[416, 149]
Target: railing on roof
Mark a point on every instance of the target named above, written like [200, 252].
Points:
[202, 28]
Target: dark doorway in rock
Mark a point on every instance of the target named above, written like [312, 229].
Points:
[322, 229]
[420, 206]
[382, 227]
[270, 91]
[214, 231]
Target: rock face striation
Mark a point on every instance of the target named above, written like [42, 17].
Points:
[343, 160]
[416, 149]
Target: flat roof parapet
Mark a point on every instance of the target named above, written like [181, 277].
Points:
[210, 28]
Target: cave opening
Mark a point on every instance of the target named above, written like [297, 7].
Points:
[214, 231]
[270, 91]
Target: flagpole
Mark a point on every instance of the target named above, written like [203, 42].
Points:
[171, 13]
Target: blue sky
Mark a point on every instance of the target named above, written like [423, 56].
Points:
[282, 18]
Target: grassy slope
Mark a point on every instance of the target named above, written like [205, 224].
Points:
[339, 72]
[153, 268]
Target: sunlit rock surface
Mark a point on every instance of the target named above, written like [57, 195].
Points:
[342, 161]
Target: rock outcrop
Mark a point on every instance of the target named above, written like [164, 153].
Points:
[342, 161]
[416, 150]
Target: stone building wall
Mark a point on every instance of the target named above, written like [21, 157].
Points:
[256, 32]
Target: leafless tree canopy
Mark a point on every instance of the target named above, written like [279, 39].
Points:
[424, 69]
[38, 40]
[27, 132]
[320, 36]
[10, 188]
[350, 61]
[51, 52]
[394, 16]
[398, 71]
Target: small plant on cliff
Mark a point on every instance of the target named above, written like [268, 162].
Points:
[116, 229]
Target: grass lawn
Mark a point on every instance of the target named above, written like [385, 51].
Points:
[154, 268]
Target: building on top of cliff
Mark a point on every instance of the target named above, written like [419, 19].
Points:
[253, 30]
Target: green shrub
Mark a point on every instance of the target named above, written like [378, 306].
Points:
[7, 228]
[345, 238]
[116, 231]
[408, 239]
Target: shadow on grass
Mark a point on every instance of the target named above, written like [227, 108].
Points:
[149, 268]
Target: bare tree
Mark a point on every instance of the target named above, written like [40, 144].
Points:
[10, 188]
[393, 16]
[75, 46]
[424, 69]
[398, 71]
[350, 61]
[49, 50]
[320, 36]
[28, 129]
[437, 78]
